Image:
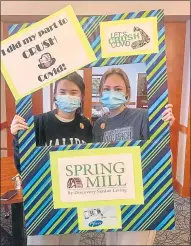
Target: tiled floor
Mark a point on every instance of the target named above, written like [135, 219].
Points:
[180, 236]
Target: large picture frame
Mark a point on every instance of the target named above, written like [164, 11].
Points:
[157, 213]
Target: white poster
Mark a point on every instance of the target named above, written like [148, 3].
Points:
[129, 37]
[44, 52]
[91, 178]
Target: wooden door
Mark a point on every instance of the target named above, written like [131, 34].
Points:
[175, 45]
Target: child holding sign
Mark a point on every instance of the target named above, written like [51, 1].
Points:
[123, 124]
[63, 126]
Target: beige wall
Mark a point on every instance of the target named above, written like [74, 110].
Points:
[175, 8]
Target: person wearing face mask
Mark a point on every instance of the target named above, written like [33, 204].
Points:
[126, 124]
[64, 125]
[122, 123]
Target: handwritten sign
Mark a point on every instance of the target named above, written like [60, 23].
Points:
[129, 37]
[44, 52]
[101, 175]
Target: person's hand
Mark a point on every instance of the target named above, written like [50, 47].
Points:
[167, 115]
[17, 124]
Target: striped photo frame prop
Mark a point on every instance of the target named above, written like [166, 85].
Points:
[157, 213]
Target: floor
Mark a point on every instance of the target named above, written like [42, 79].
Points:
[181, 236]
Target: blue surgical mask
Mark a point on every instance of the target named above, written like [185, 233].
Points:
[67, 103]
[113, 99]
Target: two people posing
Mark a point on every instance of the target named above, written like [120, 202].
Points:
[66, 125]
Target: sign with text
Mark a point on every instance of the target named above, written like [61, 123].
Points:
[129, 37]
[102, 175]
[99, 218]
[44, 52]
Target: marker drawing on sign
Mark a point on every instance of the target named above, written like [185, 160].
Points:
[39, 47]
[136, 39]
[29, 39]
[46, 61]
[140, 43]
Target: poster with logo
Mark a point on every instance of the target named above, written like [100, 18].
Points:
[129, 37]
[99, 217]
[105, 176]
[44, 52]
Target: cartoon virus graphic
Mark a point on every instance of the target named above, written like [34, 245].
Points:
[140, 43]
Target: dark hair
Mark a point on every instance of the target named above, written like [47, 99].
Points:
[77, 80]
[119, 72]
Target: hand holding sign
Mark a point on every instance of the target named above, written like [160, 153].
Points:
[44, 53]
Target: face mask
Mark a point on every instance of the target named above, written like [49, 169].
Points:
[113, 99]
[68, 103]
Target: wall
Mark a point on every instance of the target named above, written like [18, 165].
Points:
[179, 8]
[186, 80]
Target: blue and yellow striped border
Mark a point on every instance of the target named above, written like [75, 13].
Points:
[158, 211]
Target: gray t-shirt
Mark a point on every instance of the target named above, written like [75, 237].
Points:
[130, 124]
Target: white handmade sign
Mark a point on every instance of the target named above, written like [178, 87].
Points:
[129, 37]
[44, 52]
